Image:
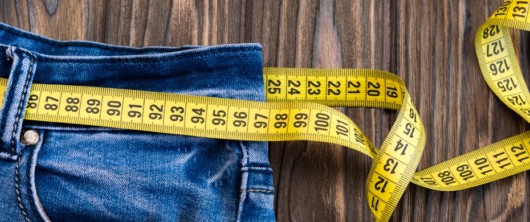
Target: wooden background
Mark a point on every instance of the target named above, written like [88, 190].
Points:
[428, 43]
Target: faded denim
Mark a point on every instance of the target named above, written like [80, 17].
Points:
[81, 173]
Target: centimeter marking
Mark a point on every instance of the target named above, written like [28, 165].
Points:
[347, 87]
[484, 165]
[107, 107]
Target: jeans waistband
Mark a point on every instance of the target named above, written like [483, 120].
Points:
[228, 71]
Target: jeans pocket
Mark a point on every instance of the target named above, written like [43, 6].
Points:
[110, 175]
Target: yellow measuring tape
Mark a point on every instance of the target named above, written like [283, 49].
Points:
[296, 110]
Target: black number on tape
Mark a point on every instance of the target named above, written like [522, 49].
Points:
[133, 113]
[260, 124]
[177, 113]
[274, 90]
[506, 85]
[156, 111]
[313, 91]
[293, 84]
[502, 159]
[516, 100]
[520, 153]
[219, 120]
[390, 165]
[401, 146]
[494, 48]
[502, 10]
[391, 92]
[198, 119]
[409, 130]
[483, 163]
[241, 116]
[322, 122]
[412, 115]
[335, 85]
[49, 106]
[342, 128]
[490, 31]
[499, 67]
[465, 172]
[115, 105]
[428, 180]
[380, 184]
[519, 11]
[373, 92]
[300, 117]
[446, 177]
[358, 136]
[72, 107]
[356, 85]
[281, 120]
[33, 101]
[93, 106]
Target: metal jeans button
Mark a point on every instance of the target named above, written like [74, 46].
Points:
[30, 137]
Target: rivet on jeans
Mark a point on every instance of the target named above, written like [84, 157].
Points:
[30, 137]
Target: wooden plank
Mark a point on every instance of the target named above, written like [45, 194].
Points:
[429, 44]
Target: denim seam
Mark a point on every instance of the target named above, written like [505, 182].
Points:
[244, 181]
[111, 60]
[21, 103]
[74, 128]
[17, 188]
[257, 169]
[259, 191]
[83, 44]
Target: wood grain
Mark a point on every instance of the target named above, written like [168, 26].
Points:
[428, 43]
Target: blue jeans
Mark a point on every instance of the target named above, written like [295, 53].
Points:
[81, 173]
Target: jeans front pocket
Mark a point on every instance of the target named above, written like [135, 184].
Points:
[87, 174]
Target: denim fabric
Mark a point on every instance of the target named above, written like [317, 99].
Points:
[80, 173]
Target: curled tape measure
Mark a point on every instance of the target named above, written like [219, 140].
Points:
[310, 118]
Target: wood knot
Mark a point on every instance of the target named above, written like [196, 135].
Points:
[51, 6]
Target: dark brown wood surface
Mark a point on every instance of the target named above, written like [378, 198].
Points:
[429, 44]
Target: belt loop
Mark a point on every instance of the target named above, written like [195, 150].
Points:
[15, 99]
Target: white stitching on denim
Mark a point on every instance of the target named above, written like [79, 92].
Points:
[243, 196]
[17, 189]
[259, 191]
[15, 126]
[245, 154]
[257, 168]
